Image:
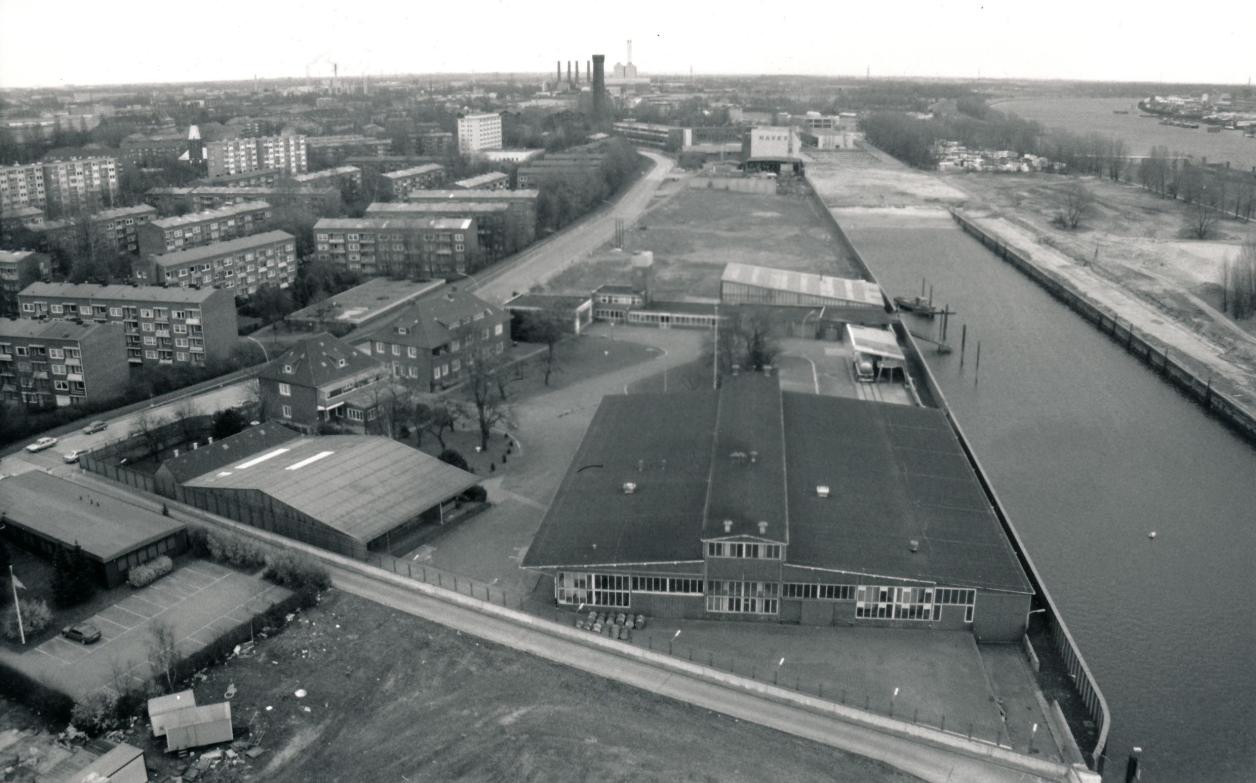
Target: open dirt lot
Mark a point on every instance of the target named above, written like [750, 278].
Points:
[393, 697]
[867, 177]
[696, 232]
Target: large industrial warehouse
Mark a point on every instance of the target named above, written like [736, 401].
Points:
[346, 493]
[753, 503]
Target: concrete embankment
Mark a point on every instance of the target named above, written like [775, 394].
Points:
[1186, 375]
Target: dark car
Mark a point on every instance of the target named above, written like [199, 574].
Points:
[84, 633]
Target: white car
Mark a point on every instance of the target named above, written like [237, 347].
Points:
[73, 455]
[41, 444]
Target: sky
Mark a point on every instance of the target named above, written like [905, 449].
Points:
[88, 42]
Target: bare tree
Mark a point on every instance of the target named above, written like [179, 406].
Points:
[1076, 204]
[436, 418]
[485, 390]
[546, 328]
[1201, 217]
[147, 428]
[186, 415]
[163, 652]
[746, 339]
[1239, 281]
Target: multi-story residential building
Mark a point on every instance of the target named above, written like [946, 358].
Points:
[233, 156]
[492, 222]
[521, 206]
[58, 363]
[415, 248]
[493, 180]
[321, 381]
[18, 269]
[401, 182]
[669, 137]
[117, 228]
[242, 265]
[182, 326]
[173, 200]
[329, 150]
[375, 165]
[21, 217]
[261, 178]
[479, 132]
[140, 150]
[338, 177]
[80, 183]
[437, 143]
[22, 186]
[436, 337]
[166, 235]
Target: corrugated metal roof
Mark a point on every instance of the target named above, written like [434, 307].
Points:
[838, 289]
[362, 486]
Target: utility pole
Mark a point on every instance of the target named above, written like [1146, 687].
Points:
[715, 352]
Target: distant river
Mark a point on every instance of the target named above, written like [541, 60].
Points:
[1089, 452]
[1083, 115]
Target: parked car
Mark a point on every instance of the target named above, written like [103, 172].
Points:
[94, 427]
[73, 455]
[83, 633]
[41, 444]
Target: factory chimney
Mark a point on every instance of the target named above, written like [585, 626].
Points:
[577, 72]
[569, 73]
[588, 71]
[559, 78]
[629, 51]
[599, 87]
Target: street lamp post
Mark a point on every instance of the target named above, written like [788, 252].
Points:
[893, 697]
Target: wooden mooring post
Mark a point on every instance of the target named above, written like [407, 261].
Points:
[977, 371]
[963, 339]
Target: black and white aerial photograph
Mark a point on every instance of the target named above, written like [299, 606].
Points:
[543, 392]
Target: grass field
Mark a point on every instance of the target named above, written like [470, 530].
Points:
[393, 697]
[696, 232]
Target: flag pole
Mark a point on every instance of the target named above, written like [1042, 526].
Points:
[17, 605]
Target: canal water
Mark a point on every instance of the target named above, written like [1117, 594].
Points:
[1090, 452]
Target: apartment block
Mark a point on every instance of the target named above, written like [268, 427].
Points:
[338, 177]
[493, 180]
[22, 186]
[80, 183]
[436, 337]
[182, 326]
[242, 265]
[166, 235]
[332, 149]
[415, 248]
[59, 363]
[439, 144]
[118, 228]
[479, 132]
[140, 150]
[261, 178]
[235, 156]
[401, 182]
[173, 200]
[493, 226]
[521, 206]
[19, 268]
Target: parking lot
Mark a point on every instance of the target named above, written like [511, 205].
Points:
[825, 367]
[200, 600]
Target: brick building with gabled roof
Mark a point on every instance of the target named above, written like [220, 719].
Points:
[319, 381]
[433, 338]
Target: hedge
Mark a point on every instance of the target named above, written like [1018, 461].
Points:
[35, 617]
[147, 573]
[302, 574]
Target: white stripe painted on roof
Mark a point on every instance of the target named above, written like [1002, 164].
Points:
[262, 458]
[308, 460]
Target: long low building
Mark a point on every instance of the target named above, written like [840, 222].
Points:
[243, 264]
[747, 284]
[44, 513]
[346, 493]
[404, 247]
[493, 224]
[166, 235]
[521, 203]
[753, 503]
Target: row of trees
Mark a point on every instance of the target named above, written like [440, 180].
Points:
[565, 196]
[1238, 281]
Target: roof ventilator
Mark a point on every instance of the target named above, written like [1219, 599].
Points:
[630, 487]
[822, 490]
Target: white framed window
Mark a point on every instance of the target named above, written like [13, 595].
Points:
[285, 390]
[497, 330]
[734, 597]
[412, 352]
[286, 411]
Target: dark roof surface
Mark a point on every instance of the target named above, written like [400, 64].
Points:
[431, 320]
[213, 456]
[318, 360]
[592, 521]
[102, 525]
[896, 473]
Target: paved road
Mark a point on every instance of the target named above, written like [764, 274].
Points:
[574, 242]
[927, 762]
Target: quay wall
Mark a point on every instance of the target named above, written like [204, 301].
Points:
[1065, 645]
[1189, 380]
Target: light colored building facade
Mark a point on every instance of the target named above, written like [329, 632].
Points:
[19, 268]
[493, 180]
[170, 234]
[236, 156]
[80, 184]
[521, 206]
[414, 248]
[22, 186]
[118, 228]
[479, 132]
[398, 184]
[181, 326]
[59, 363]
[242, 265]
[492, 223]
[667, 137]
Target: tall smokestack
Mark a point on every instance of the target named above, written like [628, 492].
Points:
[569, 72]
[599, 87]
[559, 78]
[577, 72]
[629, 51]
[588, 71]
